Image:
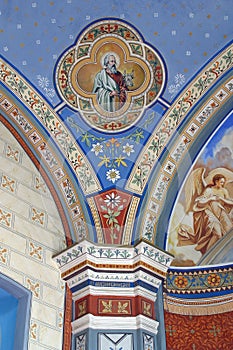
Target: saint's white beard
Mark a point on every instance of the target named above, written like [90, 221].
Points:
[112, 69]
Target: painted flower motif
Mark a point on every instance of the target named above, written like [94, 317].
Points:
[181, 282]
[213, 280]
[173, 89]
[128, 149]
[50, 92]
[113, 175]
[179, 79]
[112, 142]
[150, 56]
[112, 200]
[97, 148]
[71, 97]
[151, 94]
[43, 81]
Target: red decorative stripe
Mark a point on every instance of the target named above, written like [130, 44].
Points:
[114, 306]
[67, 321]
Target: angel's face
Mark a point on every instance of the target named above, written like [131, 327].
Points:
[220, 183]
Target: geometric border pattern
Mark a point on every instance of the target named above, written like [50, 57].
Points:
[200, 282]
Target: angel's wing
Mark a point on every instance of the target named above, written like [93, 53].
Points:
[194, 187]
[229, 187]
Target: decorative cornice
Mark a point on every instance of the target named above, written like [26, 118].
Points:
[113, 290]
[113, 323]
[111, 277]
[119, 257]
[114, 282]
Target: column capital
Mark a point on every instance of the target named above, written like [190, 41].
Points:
[114, 287]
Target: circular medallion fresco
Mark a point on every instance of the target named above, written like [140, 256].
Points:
[110, 76]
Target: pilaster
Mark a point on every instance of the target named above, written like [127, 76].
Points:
[114, 290]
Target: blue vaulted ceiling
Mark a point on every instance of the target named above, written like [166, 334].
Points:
[187, 35]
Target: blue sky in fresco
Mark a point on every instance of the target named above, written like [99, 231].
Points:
[225, 127]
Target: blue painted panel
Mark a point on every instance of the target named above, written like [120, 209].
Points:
[15, 302]
[8, 312]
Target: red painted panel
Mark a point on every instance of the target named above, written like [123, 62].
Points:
[211, 332]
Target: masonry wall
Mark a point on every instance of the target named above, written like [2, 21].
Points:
[30, 234]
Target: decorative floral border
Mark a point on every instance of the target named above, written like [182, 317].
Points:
[110, 253]
[199, 281]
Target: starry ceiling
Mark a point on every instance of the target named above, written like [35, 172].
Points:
[186, 33]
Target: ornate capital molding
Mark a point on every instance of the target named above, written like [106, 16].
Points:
[114, 288]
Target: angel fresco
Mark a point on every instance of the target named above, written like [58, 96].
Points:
[210, 199]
